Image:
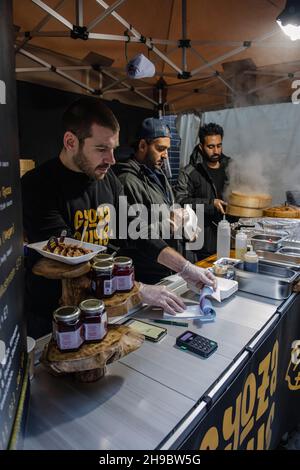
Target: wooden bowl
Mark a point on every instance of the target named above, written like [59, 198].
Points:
[284, 211]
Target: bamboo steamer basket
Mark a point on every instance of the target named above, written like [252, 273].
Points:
[284, 211]
[239, 211]
[251, 201]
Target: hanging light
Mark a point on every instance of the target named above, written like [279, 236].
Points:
[289, 19]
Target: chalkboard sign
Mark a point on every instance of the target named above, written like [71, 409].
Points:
[12, 325]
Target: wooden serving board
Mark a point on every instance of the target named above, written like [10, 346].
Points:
[76, 286]
[89, 362]
[121, 304]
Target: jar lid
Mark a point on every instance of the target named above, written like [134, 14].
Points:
[103, 257]
[66, 313]
[123, 261]
[92, 306]
[103, 266]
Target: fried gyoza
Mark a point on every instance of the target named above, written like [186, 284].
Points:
[68, 249]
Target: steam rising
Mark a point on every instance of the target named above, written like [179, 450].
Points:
[264, 145]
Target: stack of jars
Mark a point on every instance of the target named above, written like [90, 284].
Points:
[111, 275]
[73, 326]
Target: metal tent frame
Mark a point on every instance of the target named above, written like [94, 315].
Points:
[82, 32]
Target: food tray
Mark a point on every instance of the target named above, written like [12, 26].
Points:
[266, 242]
[271, 280]
[66, 259]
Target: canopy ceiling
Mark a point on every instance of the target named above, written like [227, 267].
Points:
[238, 54]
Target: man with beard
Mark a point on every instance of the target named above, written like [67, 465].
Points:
[77, 191]
[145, 183]
[203, 181]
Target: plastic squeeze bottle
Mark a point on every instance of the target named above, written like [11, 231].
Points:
[223, 239]
[240, 245]
[251, 261]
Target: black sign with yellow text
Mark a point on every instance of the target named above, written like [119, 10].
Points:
[263, 401]
[12, 324]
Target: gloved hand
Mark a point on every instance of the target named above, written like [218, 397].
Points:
[198, 276]
[178, 217]
[160, 296]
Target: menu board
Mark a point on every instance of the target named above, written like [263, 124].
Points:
[12, 325]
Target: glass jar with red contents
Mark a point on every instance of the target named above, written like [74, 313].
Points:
[94, 319]
[123, 273]
[67, 328]
[102, 285]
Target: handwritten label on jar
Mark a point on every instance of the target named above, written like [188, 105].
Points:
[124, 282]
[69, 339]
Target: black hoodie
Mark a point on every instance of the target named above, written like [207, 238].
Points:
[143, 186]
[195, 186]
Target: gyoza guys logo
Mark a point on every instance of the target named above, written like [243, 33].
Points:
[2, 92]
[293, 371]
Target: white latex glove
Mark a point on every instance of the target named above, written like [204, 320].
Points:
[178, 217]
[160, 296]
[198, 276]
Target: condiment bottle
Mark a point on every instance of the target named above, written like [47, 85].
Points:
[251, 261]
[123, 273]
[67, 328]
[223, 239]
[240, 245]
[94, 319]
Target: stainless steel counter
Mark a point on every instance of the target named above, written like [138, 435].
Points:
[146, 394]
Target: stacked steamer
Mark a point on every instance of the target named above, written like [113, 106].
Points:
[247, 205]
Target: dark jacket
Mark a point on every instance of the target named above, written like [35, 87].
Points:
[142, 187]
[195, 186]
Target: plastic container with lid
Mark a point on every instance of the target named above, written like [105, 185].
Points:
[94, 319]
[251, 261]
[124, 274]
[240, 245]
[103, 284]
[67, 328]
[223, 239]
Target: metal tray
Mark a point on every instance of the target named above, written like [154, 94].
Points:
[266, 242]
[279, 259]
[290, 251]
[273, 281]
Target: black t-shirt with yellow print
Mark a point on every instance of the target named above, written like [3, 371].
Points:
[56, 198]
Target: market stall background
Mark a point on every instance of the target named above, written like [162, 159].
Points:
[208, 56]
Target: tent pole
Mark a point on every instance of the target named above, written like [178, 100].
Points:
[216, 73]
[130, 88]
[39, 26]
[138, 35]
[268, 85]
[79, 12]
[53, 13]
[233, 52]
[99, 18]
[184, 29]
[53, 69]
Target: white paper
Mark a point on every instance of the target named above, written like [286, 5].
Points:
[192, 311]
